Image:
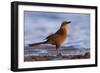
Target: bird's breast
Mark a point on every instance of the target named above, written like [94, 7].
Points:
[62, 36]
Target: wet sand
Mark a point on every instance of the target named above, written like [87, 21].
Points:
[49, 53]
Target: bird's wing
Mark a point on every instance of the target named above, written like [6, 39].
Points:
[49, 36]
[52, 35]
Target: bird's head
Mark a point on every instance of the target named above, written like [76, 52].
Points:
[64, 24]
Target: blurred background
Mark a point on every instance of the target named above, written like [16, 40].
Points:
[38, 25]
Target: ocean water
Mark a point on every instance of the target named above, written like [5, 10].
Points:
[38, 25]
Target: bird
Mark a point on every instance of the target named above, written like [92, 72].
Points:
[56, 38]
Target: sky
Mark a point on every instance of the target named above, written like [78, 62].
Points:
[38, 25]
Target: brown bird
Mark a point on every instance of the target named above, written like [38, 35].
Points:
[57, 38]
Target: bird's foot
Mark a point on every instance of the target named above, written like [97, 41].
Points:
[59, 54]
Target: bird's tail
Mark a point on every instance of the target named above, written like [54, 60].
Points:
[35, 44]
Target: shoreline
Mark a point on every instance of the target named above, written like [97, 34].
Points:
[48, 53]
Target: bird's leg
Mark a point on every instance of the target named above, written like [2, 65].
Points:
[57, 48]
[57, 51]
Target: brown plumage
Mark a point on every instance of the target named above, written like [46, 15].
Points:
[56, 38]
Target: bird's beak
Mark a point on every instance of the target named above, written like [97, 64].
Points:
[68, 22]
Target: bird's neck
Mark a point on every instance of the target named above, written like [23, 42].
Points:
[63, 30]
